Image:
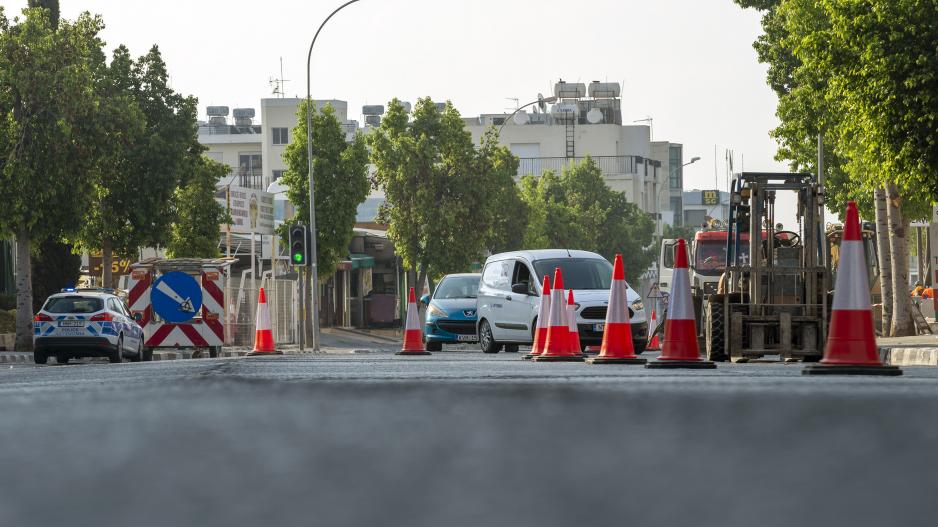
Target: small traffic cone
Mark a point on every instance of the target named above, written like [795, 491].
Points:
[543, 312]
[654, 344]
[617, 345]
[557, 345]
[571, 323]
[413, 336]
[851, 344]
[263, 335]
[680, 348]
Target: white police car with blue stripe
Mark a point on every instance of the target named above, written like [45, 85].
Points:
[86, 323]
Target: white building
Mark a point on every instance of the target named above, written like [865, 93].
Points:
[587, 120]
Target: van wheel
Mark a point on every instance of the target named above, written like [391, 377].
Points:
[486, 340]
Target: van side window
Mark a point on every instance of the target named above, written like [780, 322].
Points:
[668, 251]
[497, 275]
[522, 275]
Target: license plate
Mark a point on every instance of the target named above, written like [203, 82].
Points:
[71, 323]
[466, 338]
[598, 327]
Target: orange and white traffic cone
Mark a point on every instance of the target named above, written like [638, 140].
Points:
[654, 344]
[574, 341]
[543, 312]
[851, 344]
[557, 345]
[680, 348]
[263, 335]
[413, 336]
[617, 345]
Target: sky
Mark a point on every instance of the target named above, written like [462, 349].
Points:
[687, 64]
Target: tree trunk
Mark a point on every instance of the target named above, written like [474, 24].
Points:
[107, 263]
[24, 292]
[885, 259]
[902, 324]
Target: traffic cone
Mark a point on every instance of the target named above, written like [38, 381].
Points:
[654, 344]
[574, 341]
[680, 348]
[413, 336]
[543, 312]
[557, 344]
[263, 335]
[617, 345]
[851, 344]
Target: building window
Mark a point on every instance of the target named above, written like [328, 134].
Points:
[277, 175]
[675, 168]
[677, 207]
[250, 172]
[281, 136]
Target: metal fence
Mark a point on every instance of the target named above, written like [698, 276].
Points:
[282, 299]
[606, 164]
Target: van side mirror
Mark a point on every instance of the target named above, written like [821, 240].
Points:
[425, 299]
[520, 289]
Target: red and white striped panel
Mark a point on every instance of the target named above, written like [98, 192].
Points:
[213, 303]
[183, 335]
[139, 295]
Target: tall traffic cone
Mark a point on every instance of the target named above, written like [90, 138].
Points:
[654, 344]
[557, 345]
[543, 313]
[413, 336]
[263, 335]
[617, 345]
[574, 341]
[680, 348]
[851, 344]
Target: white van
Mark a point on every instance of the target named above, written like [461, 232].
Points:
[666, 265]
[510, 291]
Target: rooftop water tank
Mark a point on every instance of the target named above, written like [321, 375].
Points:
[373, 109]
[604, 90]
[217, 111]
[372, 120]
[243, 113]
[564, 111]
[406, 105]
[569, 90]
[217, 120]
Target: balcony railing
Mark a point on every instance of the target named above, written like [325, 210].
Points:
[253, 179]
[607, 164]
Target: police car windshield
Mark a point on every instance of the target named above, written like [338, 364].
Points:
[73, 304]
[578, 273]
[458, 287]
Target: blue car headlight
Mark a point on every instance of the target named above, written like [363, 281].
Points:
[436, 312]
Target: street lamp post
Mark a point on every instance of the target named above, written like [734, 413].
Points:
[314, 283]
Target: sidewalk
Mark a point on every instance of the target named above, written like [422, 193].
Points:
[920, 350]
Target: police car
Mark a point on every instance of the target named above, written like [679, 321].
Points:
[86, 323]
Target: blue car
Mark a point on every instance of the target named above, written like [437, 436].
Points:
[451, 311]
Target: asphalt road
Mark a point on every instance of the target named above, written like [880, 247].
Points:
[462, 439]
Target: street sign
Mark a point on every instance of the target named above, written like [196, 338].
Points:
[176, 297]
[710, 197]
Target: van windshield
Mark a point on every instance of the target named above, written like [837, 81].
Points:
[578, 273]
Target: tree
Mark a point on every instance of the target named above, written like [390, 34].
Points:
[578, 211]
[340, 174]
[47, 135]
[509, 214]
[194, 232]
[437, 188]
[53, 9]
[150, 144]
[55, 266]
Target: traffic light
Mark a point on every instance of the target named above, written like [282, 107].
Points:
[298, 253]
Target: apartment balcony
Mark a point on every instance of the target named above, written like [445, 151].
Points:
[608, 165]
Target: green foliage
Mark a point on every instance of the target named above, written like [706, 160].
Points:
[864, 72]
[438, 188]
[55, 265]
[48, 131]
[195, 231]
[7, 302]
[578, 211]
[340, 174]
[51, 5]
[509, 213]
[672, 232]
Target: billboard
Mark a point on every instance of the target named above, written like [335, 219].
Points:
[252, 210]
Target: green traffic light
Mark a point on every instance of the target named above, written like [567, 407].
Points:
[297, 257]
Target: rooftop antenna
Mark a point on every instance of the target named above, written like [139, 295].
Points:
[277, 84]
[651, 126]
[517, 103]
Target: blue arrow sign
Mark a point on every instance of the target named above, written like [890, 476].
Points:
[176, 297]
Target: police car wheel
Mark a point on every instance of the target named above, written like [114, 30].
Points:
[147, 354]
[116, 356]
[138, 355]
[40, 357]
